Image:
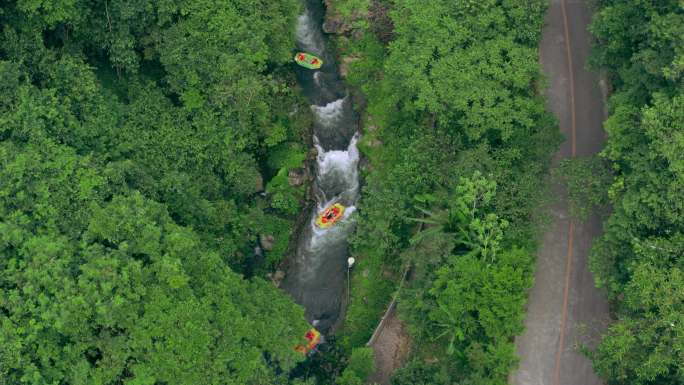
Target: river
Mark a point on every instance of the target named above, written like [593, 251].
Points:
[316, 278]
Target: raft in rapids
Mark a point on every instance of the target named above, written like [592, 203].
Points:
[329, 216]
[308, 60]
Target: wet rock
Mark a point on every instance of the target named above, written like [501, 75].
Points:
[357, 34]
[259, 185]
[258, 252]
[335, 25]
[277, 278]
[380, 21]
[296, 177]
[334, 22]
[266, 242]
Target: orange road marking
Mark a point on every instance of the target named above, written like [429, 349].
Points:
[571, 229]
[564, 316]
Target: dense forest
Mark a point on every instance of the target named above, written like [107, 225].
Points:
[144, 192]
[457, 140]
[639, 259]
[142, 148]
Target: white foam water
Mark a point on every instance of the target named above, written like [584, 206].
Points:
[322, 240]
[316, 276]
[309, 37]
[330, 114]
[337, 174]
[339, 225]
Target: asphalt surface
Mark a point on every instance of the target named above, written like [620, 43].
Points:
[565, 310]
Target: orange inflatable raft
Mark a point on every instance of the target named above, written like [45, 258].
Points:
[329, 216]
[313, 338]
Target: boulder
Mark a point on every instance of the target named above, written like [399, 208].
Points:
[338, 24]
[266, 242]
[296, 176]
[335, 25]
[259, 185]
[334, 22]
[277, 278]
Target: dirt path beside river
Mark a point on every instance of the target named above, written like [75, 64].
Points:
[391, 349]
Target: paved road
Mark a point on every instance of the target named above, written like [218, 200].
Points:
[565, 309]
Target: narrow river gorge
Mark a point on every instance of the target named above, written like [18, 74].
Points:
[317, 274]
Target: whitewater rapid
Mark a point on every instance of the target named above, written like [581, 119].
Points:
[316, 278]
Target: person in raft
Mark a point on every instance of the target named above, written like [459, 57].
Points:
[301, 57]
[330, 215]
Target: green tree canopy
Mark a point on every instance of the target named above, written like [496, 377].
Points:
[639, 257]
[133, 141]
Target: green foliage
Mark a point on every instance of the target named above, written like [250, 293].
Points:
[372, 290]
[640, 42]
[649, 332]
[457, 141]
[419, 372]
[368, 54]
[351, 13]
[282, 231]
[360, 366]
[349, 7]
[638, 259]
[135, 293]
[204, 161]
[587, 181]
[324, 367]
[469, 298]
[286, 155]
[134, 137]
[467, 72]
[284, 197]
